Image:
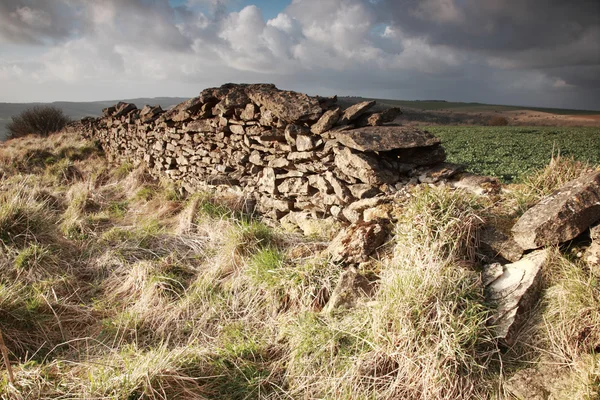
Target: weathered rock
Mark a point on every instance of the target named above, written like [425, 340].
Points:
[380, 212]
[494, 242]
[351, 287]
[123, 109]
[355, 111]
[377, 119]
[385, 138]
[364, 168]
[356, 243]
[327, 121]
[304, 143]
[288, 106]
[562, 216]
[294, 186]
[363, 191]
[513, 289]
[267, 181]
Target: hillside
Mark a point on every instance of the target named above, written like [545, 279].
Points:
[78, 110]
[119, 285]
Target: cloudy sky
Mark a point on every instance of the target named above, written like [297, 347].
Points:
[526, 52]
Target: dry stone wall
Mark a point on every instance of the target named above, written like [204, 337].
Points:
[285, 151]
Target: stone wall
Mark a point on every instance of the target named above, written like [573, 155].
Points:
[285, 151]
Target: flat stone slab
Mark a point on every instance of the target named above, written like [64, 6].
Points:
[386, 138]
[562, 216]
[513, 289]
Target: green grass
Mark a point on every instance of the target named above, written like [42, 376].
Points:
[510, 153]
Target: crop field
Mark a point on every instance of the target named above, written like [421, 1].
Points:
[512, 152]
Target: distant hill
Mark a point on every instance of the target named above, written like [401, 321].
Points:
[78, 110]
[477, 107]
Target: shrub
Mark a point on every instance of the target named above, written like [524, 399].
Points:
[497, 121]
[41, 120]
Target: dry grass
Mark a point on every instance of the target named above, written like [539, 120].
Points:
[114, 286]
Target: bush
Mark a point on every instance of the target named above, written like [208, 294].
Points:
[41, 120]
[497, 121]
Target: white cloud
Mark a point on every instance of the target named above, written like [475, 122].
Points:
[325, 46]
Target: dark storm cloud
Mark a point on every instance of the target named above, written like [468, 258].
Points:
[37, 21]
[560, 38]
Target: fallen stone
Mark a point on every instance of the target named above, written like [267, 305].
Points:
[355, 111]
[385, 138]
[357, 242]
[351, 287]
[513, 289]
[494, 243]
[562, 216]
[327, 121]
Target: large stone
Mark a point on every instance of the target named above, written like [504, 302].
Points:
[327, 121]
[355, 111]
[562, 216]
[513, 289]
[291, 107]
[364, 168]
[386, 138]
[357, 242]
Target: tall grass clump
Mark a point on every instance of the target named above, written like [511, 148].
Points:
[432, 341]
[23, 217]
[543, 182]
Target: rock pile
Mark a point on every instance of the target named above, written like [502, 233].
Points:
[570, 211]
[286, 151]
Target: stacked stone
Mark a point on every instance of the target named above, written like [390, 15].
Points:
[287, 151]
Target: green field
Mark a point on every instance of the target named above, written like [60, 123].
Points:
[511, 152]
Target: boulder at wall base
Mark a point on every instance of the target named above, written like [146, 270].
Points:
[357, 242]
[513, 289]
[562, 216]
